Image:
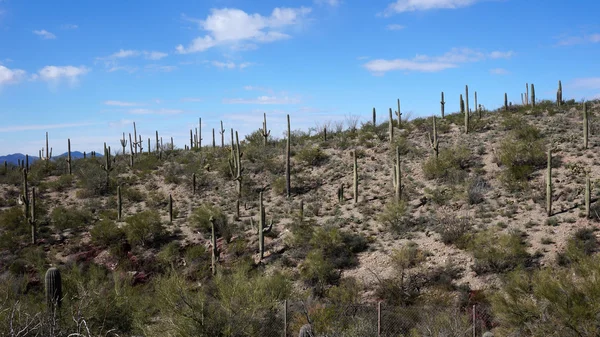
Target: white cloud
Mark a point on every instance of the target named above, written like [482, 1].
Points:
[69, 26]
[501, 54]
[332, 3]
[498, 71]
[124, 68]
[263, 100]
[590, 83]
[401, 6]
[111, 62]
[56, 73]
[230, 65]
[155, 111]
[11, 76]
[157, 67]
[425, 63]
[565, 40]
[394, 27]
[229, 26]
[123, 54]
[44, 34]
[154, 55]
[255, 88]
[121, 103]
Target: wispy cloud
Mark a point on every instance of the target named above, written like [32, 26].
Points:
[44, 34]
[161, 68]
[565, 40]
[394, 27]
[589, 83]
[155, 111]
[498, 71]
[57, 73]
[121, 103]
[11, 76]
[235, 28]
[401, 6]
[69, 26]
[231, 65]
[425, 63]
[191, 99]
[332, 3]
[16, 128]
[263, 100]
[112, 61]
[255, 88]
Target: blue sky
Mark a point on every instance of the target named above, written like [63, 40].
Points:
[86, 70]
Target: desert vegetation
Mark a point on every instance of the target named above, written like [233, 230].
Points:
[428, 216]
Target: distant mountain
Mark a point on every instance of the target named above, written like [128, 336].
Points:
[15, 157]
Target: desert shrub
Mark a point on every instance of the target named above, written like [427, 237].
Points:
[396, 217]
[496, 252]
[61, 184]
[476, 189]
[173, 172]
[69, 218]
[453, 230]
[201, 220]
[550, 302]
[91, 178]
[132, 194]
[337, 246]
[311, 155]
[278, 185]
[449, 165]
[13, 220]
[144, 228]
[521, 154]
[408, 256]
[583, 243]
[145, 163]
[318, 272]
[106, 233]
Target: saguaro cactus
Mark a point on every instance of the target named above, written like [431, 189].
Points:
[397, 181]
[107, 167]
[467, 111]
[24, 197]
[200, 133]
[549, 184]
[355, 177]
[433, 141]
[69, 156]
[340, 194]
[391, 127]
[235, 165]
[157, 144]
[124, 142]
[374, 117]
[505, 102]
[135, 144]
[193, 183]
[399, 114]
[264, 132]
[214, 144]
[559, 94]
[130, 152]
[527, 93]
[222, 132]
[585, 126]
[442, 103]
[32, 220]
[53, 285]
[532, 95]
[288, 186]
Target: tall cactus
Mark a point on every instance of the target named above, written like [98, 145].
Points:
[559, 94]
[135, 143]
[505, 102]
[340, 194]
[477, 109]
[24, 197]
[193, 183]
[53, 286]
[532, 95]
[107, 167]
[399, 114]
[157, 144]
[69, 156]
[131, 154]
[214, 144]
[235, 165]
[32, 220]
[123, 142]
[549, 184]
[265, 132]
[442, 103]
[391, 127]
[374, 117]
[467, 111]
[397, 181]
[585, 126]
[191, 139]
[149, 148]
[214, 251]
[355, 177]
[119, 204]
[199, 133]
[527, 93]
[261, 226]
[222, 132]
[288, 185]
[433, 141]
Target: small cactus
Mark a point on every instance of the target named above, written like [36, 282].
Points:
[69, 156]
[53, 285]
[397, 182]
[340, 194]
[265, 132]
[193, 183]
[433, 141]
[559, 99]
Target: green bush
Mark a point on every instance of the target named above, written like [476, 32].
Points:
[69, 218]
[583, 243]
[497, 252]
[396, 217]
[318, 272]
[106, 233]
[311, 155]
[449, 166]
[144, 228]
[201, 221]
